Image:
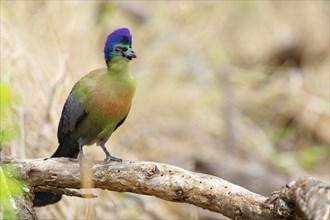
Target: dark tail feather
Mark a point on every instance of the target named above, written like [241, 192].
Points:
[45, 198]
[67, 149]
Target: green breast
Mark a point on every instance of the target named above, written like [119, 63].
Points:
[107, 95]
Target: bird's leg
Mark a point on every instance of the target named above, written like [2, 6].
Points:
[81, 155]
[108, 157]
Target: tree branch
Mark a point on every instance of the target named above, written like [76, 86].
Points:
[298, 200]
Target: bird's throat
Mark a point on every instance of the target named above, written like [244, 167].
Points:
[119, 65]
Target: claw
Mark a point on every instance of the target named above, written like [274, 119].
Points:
[110, 158]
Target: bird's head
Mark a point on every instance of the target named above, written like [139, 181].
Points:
[119, 44]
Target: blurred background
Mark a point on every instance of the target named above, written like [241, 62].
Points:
[239, 90]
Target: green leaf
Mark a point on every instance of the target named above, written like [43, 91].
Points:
[8, 120]
[10, 189]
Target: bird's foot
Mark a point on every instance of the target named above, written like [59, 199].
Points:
[81, 157]
[85, 165]
[110, 158]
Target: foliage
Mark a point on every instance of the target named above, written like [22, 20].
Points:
[10, 187]
[8, 120]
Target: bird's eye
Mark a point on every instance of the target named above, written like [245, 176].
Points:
[119, 49]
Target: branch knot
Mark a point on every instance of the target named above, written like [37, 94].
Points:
[150, 171]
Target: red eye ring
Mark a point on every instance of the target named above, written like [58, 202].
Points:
[119, 49]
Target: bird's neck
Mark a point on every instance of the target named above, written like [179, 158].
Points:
[118, 65]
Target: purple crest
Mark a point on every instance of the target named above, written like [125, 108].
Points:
[121, 35]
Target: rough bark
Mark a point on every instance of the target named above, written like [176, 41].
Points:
[304, 198]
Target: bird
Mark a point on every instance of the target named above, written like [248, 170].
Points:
[96, 106]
